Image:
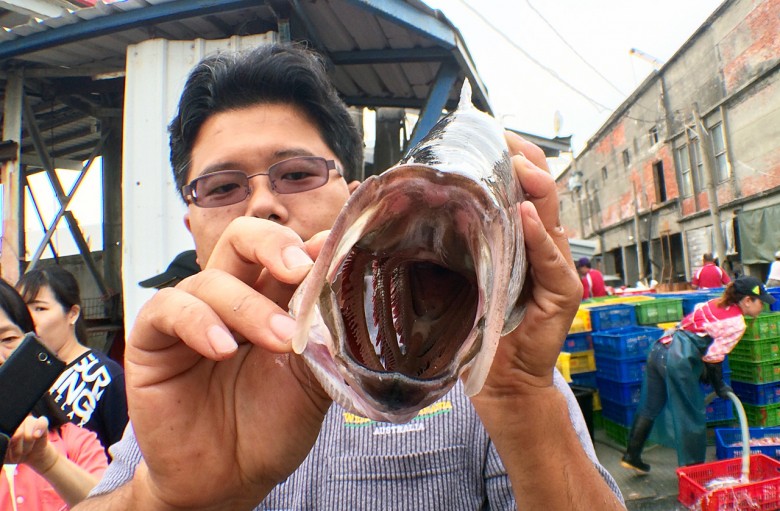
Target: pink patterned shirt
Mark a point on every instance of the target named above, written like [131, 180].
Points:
[725, 326]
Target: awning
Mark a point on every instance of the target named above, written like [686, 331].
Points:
[758, 234]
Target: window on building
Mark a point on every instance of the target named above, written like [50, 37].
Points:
[626, 159]
[604, 173]
[660, 183]
[719, 153]
[653, 133]
[698, 167]
[684, 164]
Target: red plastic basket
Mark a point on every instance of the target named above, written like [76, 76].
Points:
[762, 493]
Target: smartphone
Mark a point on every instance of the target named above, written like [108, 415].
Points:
[24, 378]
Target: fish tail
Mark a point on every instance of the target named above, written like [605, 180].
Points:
[465, 96]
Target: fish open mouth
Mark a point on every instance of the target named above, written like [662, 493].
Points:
[417, 313]
[407, 289]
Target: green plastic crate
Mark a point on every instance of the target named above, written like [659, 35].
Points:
[598, 420]
[660, 310]
[755, 372]
[616, 432]
[768, 415]
[765, 326]
[757, 350]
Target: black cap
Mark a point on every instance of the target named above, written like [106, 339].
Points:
[751, 286]
[182, 266]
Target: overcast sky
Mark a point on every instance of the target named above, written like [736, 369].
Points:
[568, 56]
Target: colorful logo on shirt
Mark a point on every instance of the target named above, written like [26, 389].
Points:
[356, 421]
[80, 387]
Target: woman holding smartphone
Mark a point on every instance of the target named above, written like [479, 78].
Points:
[50, 464]
[91, 391]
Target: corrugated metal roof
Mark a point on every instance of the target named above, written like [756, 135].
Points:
[383, 53]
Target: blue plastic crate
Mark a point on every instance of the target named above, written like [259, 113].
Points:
[627, 342]
[775, 291]
[728, 442]
[764, 394]
[587, 379]
[616, 412]
[580, 341]
[621, 370]
[707, 389]
[690, 300]
[606, 317]
[619, 392]
[719, 410]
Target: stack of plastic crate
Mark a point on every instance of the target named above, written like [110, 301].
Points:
[577, 364]
[604, 318]
[621, 355]
[579, 340]
[755, 366]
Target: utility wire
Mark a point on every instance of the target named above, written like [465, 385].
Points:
[551, 72]
[607, 80]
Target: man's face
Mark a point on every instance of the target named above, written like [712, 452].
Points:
[582, 270]
[250, 140]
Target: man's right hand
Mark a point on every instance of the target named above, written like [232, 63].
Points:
[220, 423]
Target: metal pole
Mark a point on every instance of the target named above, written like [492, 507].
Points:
[640, 256]
[12, 255]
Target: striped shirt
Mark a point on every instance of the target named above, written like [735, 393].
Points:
[443, 459]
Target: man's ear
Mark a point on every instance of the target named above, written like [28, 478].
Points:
[187, 221]
[352, 186]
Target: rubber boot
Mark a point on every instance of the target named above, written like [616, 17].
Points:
[632, 459]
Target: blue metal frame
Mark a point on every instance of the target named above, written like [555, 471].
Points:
[390, 56]
[404, 14]
[105, 25]
[445, 79]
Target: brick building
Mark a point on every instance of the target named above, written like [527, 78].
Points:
[696, 145]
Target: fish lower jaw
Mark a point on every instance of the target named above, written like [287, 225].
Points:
[390, 396]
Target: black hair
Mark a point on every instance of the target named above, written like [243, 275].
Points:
[14, 307]
[63, 286]
[275, 73]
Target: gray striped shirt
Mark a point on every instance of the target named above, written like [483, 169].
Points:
[443, 459]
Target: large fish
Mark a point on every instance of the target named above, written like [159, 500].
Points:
[419, 276]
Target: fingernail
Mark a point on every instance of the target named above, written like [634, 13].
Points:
[220, 340]
[283, 326]
[294, 257]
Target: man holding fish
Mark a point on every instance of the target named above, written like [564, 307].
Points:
[222, 409]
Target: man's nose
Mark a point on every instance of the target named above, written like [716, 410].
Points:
[263, 202]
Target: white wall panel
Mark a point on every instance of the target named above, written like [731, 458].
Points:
[153, 230]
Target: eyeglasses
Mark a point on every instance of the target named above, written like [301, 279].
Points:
[226, 187]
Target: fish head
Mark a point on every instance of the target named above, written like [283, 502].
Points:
[419, 276]
[396, 305]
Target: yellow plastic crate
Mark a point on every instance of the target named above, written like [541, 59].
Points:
[666, 326]
[613, 300]
[563, 365]
[581, 322]
[574, 363]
